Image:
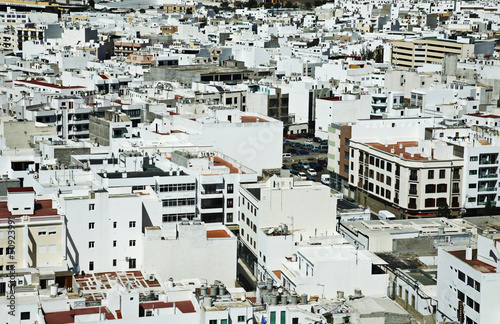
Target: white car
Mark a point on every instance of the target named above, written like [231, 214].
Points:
[302, 175]
[312, 172]
[309, 142]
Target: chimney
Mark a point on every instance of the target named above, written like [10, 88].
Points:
[468, 253]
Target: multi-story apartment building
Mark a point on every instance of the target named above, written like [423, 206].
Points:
[408, 177]
[468, 282]
[37, 230]
[412, 54]
[104, 229]
[281, 201]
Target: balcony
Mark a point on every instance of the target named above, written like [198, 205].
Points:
[483, 176]
[487, 189]
[487, 162]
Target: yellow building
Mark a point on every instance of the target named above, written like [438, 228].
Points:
[32, 233]
[179, 8]
[417, 52]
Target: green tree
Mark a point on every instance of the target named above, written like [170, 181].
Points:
[489, 209]
[289, 5]
[444, 211]
[91, 4]
[379, 56]
[318, 3]
[308, 6]
[252, 4]
[224, 6]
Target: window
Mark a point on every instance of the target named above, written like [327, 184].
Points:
[131, 224]
[230, 188]
[212, 321]
[430, 188]
[442, 187]
[91, 226]
[114, 224]
[388, 181]
[114, 262]
[470, 302]
[230, 203]
[241, 319]
[430, 174]
[473, 158]
[430, 202]
[91, 244]
[91, 266]
[476, 307]
[25, 315]
[42, 231]
[229, 217]
[389, 167]
[131, 243]
[1, 251]
[461, 276]
[470, 281]
[400, 291]
[52, 231]
[91, 206]
[442, 174]
[413, 189]
[132, 263]
[472, 172]
[460, 295]
[114, 243]
[477, 286]
[472, 185]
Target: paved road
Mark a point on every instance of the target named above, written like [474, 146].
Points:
[311, 157]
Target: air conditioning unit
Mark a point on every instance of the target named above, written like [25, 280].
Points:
[127, 258]
[151, 277]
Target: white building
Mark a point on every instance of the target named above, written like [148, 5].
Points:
[469, 281]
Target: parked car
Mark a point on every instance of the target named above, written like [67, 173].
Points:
[317, 139]
[302, 175]
[302, 152]
[308, 142]
[311, 172]
[311, 178]
[325, 179]
[291, 136]
[304, 165]
[284, 167]
[296, 166]
[285, 142]
[315, 149]
[296, 144]
[315, 166]
[323, 148]
[301, 135]
[323, 163]
[287, 155]
[294, 172]
[308, 146]
[292, 151]
[324, 142]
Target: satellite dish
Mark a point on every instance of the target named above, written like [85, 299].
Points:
[271, 231]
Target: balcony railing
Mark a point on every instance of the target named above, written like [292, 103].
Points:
[488, 176]
[487, 189]
[488, 162]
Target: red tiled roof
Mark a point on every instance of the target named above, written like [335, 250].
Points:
[104, 77]
[184, 306]
[398, 151]
[277, 273]
[69, 316]
[50, 85]
[42, 208]
[217, 234]
[20, 189]
[474, 263]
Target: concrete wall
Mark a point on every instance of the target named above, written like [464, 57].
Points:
[99, 129]
[418, 243]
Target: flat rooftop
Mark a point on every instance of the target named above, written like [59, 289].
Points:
[217, 234]
[400, 148]
[42, 208]
[95, 286]
[185, 306]
[69, 316]
[474, 263]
